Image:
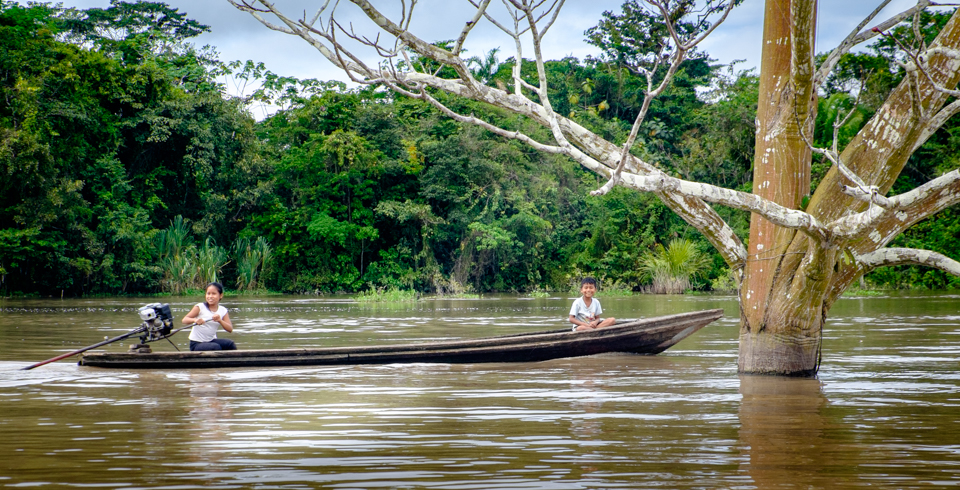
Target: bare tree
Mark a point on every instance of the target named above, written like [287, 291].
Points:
[799, 261]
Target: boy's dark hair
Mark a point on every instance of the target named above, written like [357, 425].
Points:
[588, 280]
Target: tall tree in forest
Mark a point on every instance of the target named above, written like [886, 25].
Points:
[100, 142]
[804, 252]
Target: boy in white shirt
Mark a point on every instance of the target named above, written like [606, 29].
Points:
[585, 312]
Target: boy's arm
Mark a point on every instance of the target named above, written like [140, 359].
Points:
[574, 320]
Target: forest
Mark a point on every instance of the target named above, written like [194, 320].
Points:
[129, 170]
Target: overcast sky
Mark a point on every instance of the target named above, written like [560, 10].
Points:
[238, 36]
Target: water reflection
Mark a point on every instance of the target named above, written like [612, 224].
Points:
[208, 416]
[586, 423]
[781, 431]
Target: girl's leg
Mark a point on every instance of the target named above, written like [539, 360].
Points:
[201, 346]
[226, 344]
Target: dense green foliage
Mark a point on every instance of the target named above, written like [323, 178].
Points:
[127, 170]
[103, 145]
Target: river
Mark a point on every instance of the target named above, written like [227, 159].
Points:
[884, 411]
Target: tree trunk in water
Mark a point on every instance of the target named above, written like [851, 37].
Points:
[779, 338]
[791, 280]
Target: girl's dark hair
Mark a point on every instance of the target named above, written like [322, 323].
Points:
[216, 285]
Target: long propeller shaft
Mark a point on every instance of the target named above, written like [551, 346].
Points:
[94, 346]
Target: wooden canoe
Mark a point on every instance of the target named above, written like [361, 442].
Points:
[646, 336]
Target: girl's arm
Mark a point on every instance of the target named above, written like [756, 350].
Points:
[193, 318]
[226, 323]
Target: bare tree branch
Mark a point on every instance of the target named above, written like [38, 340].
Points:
[703, 35]
[691, 209]
[888, 257]
[935, 122]
[551, 116]
[858, 36]
[932, 123]
[493, 20]
[318, 14]
[870, 194]
[902, 211]
[678, 57]
[862, 191]
[775, 213]
[940, 193]
[912, 78]
[481, 11]
[255, 12]
[881, 149]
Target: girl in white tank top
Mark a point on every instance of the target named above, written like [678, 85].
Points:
[207, 318]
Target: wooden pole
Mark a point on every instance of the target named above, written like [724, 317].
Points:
[94, 346]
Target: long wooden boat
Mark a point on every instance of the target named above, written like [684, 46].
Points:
[646, 336]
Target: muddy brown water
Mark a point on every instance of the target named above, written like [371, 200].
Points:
[883, 413]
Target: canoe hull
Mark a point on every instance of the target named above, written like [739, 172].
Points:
[647, 336]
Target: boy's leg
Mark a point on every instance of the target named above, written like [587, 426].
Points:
[607, 322]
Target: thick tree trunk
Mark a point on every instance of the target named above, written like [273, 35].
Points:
[773, 339]
[792, 280]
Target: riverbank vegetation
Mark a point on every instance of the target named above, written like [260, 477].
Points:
[128, 170]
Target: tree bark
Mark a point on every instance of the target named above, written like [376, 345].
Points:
[770, 342]
[791, 279]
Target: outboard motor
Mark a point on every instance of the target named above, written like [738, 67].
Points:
[157, 324]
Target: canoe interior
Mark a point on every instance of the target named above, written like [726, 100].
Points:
[645, 336]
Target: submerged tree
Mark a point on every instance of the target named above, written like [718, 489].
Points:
[805, 250]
